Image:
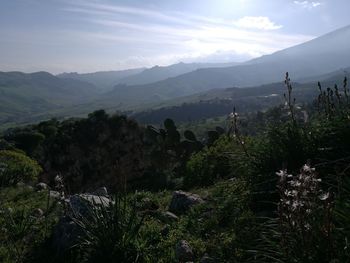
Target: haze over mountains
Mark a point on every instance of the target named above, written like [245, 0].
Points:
[39, 95]
[319, 56]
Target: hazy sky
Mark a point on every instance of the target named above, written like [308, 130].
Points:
[92, 35]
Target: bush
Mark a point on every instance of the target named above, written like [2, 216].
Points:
[211, 164]
[110, 232]
[16, 167]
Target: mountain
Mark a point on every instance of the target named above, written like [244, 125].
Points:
[24, 95]
[158, 73]
[219, 102]
[103, 80]
[321, 55]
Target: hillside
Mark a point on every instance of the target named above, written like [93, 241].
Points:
[219, 102]
[319, 56]
[24, 95]
[158, 73]
[103, 80]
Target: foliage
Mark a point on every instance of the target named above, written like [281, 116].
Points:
[26, 222]
[111, 232]
[211, 164]
[16, 167]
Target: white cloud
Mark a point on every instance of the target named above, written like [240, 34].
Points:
[256, 22]
[308, 4]
[148, 36]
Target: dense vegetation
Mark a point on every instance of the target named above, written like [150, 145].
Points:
[273, 187]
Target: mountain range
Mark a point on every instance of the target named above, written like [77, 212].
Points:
[34, 96]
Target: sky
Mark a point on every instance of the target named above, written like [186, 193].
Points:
[94, 35]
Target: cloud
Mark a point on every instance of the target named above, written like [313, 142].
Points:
[256, 22]
[138, 36]
[308, 4]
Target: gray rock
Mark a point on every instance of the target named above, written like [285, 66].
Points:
[206, 259]
[41, 187]
[183, 251]
[83, 203]
[67, 232]
[181, 202]
[55, 195]
[38, 212]
[102, 191]
[169, 216]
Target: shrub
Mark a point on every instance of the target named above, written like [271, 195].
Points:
[110, 232]
[211, 164]
[16, 167]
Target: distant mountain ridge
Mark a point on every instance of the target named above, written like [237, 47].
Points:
[321, 55]
[103, 80]
[158, 73]
[106, 80]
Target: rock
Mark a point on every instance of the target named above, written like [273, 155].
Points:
[82, 204]
[169, 216]
[65, 234]
[38, 213]
[181, 202]
[41, 187]
[183, 251]
[102, 191]
[206, 259]
[55, 195]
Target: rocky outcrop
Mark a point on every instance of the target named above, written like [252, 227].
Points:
[181, 202]
[81, 204]
[67, 232]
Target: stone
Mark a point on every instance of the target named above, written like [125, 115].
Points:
[181, 202]
[65, 234]
[55, 195]
[206, 259]
[38, 212]
[169, 216]
[183, 252]
[81, 204]
[41, 187]
[102, 191]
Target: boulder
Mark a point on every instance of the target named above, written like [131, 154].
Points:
[102, 191]
[41, 187]
[183, 251]
[82, 204]
[55, 195]
[181, 202]
[65, 234]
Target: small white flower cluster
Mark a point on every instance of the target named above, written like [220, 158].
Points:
[300, 195]
[59, 185]
[233, 115]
